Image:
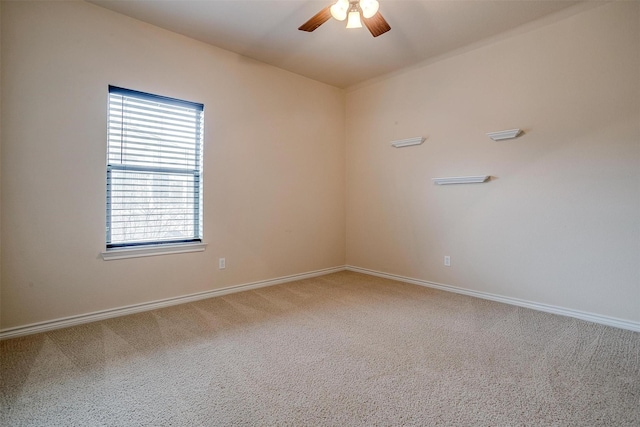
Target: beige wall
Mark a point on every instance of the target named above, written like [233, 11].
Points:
[274, 163]
[560, 222]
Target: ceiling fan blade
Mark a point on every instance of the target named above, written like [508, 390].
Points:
[377, 25]
[317, 20]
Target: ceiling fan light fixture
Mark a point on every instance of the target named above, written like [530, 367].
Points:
[339, 10]
[354, 19]
[352, 11]
[369, 7]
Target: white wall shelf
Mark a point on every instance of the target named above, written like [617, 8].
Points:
[408, 142]
[461, 180]
[504, 134]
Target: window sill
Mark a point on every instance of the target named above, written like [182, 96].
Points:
[113, 254]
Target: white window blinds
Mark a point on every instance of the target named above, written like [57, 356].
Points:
[154, 169]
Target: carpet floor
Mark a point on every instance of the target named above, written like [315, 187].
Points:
[344, 349]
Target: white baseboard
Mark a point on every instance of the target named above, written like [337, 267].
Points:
[65, 322]
[590, 317]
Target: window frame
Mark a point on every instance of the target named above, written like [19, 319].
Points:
[141, 247]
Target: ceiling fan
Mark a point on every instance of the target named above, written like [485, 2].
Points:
[352, 10]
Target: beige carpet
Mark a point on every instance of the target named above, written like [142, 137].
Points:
[343, 349]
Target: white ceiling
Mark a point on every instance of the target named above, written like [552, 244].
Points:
[267, 30]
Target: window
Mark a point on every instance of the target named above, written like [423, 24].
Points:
[154, 170]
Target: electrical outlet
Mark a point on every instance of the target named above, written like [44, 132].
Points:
[222, 263]
[447, 260]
